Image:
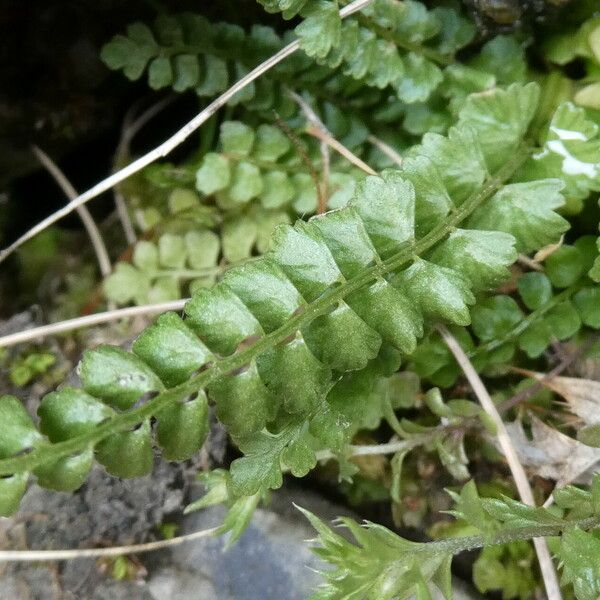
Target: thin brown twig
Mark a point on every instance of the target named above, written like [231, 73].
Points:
[536, 386]
[308, 163]
[340, 149]
[516, 468]
[171, 143]
[83, 212]
[311, 115]
[324, 195]
[318, 129]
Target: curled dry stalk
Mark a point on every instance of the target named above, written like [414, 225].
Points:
[175, 140]
[516, 468]
[84, 214]
[313, 118]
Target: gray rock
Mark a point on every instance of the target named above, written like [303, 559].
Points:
[271, 561]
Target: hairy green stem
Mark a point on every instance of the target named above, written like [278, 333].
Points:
[51, 452]
[456, 545]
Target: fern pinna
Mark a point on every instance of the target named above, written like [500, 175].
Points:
[277, 343]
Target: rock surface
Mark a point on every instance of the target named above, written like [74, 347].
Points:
[271, 561]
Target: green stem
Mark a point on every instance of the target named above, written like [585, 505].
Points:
[455, 545]
[223, 366]
[429, 53]
[525, 323]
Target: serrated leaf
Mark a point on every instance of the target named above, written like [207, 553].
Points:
[171, 349]
[501, 118]
[127, 454]
[183, 427]
[305, 259]
[570, 152]
[221, 319]
[342, 340]
[243, 402]
[259, 468]
[388, 214]
[347, 239]
[434, 202]
[526, 211]
[294, 376]
[458, 160]
[580, 553]
[214, 174]
[439, 291]
[484, 256]
[493, 318]
[389, 312]
[264, 289]
[321, 28]
[70, 412]
[116, 376]
[469, 507]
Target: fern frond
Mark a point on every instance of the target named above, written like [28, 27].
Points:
[560, 303]
[276, 335]
[166, 269]
[187, 52]
[380, 564]
[263, 164]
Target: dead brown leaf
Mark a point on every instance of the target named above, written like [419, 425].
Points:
[582, 395]
[552, 454]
